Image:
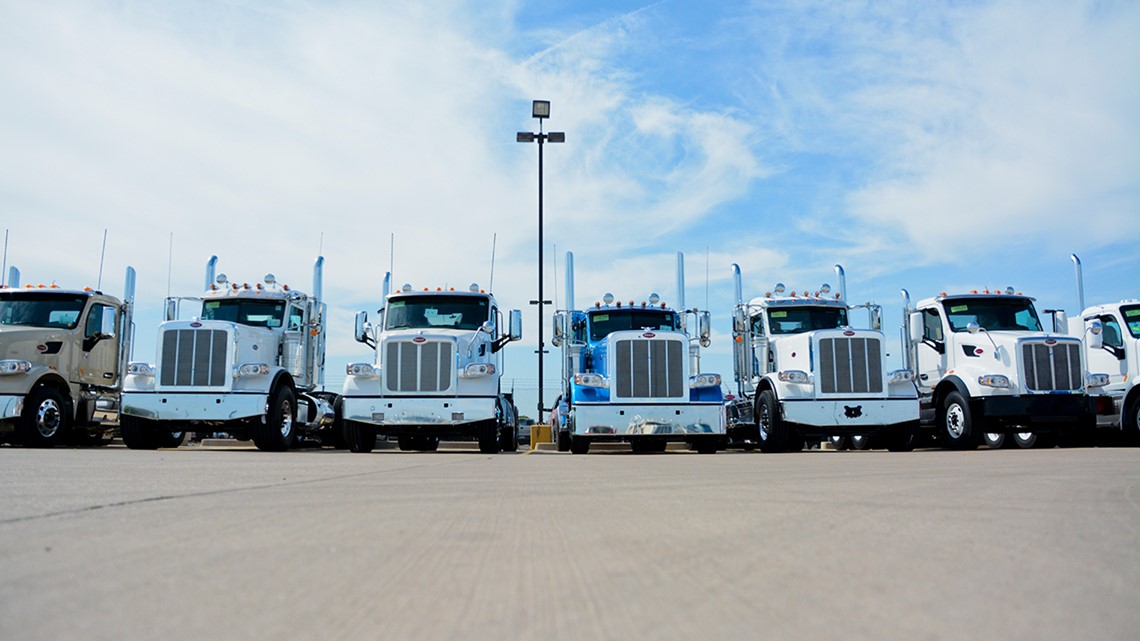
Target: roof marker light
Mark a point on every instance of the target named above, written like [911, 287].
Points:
[608, 298]
[654, 298]
[780, 289]
[474, 287]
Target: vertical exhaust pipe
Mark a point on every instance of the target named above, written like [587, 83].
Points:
[841, 276]
[385, 288]
[13, 277]
[211, 266]
[908, 355]
[570, 281]
[737, 285]
[318, 278]
[1080, 283]
[681, 281]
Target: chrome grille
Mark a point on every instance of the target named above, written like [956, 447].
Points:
[1052, 367]
[649, 369]
[418, 367]
[850, 365]
[194, 358]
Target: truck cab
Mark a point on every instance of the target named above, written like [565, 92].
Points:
[436, 372]
[63, 351]
[985, 364]
[803, 372]
[249, 362]
[631, 373]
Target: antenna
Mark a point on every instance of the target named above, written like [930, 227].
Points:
[706, 276]
[5, 266]
[99, 282]
[391, 255]
[491, 285]
[555, 260]
[170, 264]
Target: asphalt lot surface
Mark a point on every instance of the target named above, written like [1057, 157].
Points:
[235, 544]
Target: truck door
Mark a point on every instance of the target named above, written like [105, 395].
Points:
[931, 364]
[99, 361]
[1109, 359]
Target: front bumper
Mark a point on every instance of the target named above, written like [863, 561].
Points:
[11, 406]
[850, 415]
[1004, 413]
[665, 420]
[160, 406]
[418, 411]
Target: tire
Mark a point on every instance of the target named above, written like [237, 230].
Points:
[46, 419]
[139, 433]
[562, 440]
[956, 424]
[509, 438]
[648, 446]
[1024, 440]
[773, 430]
[1130, 421]
[171, 439]
[429, 444]
[995, 440]
[360, 436]
[902, 438]
[579, 444]
[278, 431]
[860, 442]
[839, 443]
[407, 443]
[707, 446]
[489, 438]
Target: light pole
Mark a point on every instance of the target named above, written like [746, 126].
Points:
[540, 109]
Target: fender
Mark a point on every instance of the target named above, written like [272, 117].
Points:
[54, 380]
[948, 384]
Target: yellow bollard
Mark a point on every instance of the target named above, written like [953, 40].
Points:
[539, 434]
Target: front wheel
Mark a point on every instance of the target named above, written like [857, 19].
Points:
[139, 433]
[509, 438]
[562, 440]
[45, 420]
[957, 423]
[773, 430]
[360, 436]
[1130, 421]
[277, 433]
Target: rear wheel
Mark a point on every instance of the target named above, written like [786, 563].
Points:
[838, 443]
[773, 430]
[1025, 440]
[994, 440]
[45, 420]
[489, 437]
[360, 436]
[902, 438]
[957, 423]
[579, 444]
[860, 442]
[278, 431]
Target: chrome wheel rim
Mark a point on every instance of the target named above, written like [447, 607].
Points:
[955, 421]
[48, 417]
[286, 418]
[763, 422]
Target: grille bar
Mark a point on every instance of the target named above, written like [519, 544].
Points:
[649, 369]
[1052, 367]
[418, 367]
[850, 365]
[194, 358]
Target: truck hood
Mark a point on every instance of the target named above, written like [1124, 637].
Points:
[1006, 342]
[30, 343]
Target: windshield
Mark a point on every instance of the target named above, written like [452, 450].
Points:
[992, 314]
[1131, 315]
[795, 320]
[255, 313]
[41, 309]
[603, 324]
[436, 312]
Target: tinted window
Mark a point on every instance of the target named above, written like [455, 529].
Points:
[603, 324]
[795, 320]
[931, 325]
[41, 309]
[993, 314]
[438, 312]
[1131, 315]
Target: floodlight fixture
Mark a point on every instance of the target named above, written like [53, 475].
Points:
[540, 109]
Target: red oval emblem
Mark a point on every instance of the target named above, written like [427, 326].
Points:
[42, 348]
[649, 334]
[849, 333]
[195, 324]
[1050, 341]
[979, 351]
[419, 339]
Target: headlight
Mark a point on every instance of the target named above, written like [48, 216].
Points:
[253, 369]
[478, 369]
[13, 366]
[1096, 380]
[900, 376]
[794, 376]
[705, 380]
[591, 380]
[994, 380]
[140, 369]
[363, 370]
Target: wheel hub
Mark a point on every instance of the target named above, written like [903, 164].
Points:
[48, 418]
[955, 421]
[286, 418]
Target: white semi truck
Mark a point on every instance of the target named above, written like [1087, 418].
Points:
[62, 352]
[436, 372]
[1114, 350]
[249, 363]
[631, 373]
[985, 365]
[803, 372]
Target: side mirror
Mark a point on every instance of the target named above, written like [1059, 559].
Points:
[488, 327]
[704, 328]
[171, 309]
[361, 330]
[739, 322]
[1060, 322]
[973, 327]
[516, 325]
[916, 327]
[107, 330]
[1094, 334]
[559, 330]
[876, 318]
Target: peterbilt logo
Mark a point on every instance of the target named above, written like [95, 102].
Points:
[853, 412]
[649, 334]
[195, 324]
[1050, 341]
[41, 347]
[848, 333]
[419, 339]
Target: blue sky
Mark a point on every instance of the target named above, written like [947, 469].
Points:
[936, 146]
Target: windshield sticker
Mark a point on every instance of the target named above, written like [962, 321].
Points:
[779, 314]
[1132, 313]
[599, 318]
[957, 309]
